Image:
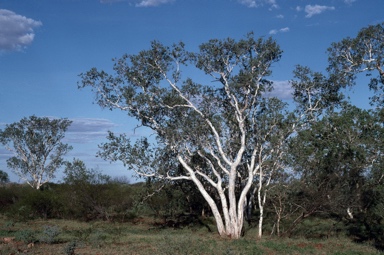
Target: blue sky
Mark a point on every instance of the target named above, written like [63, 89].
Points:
[46, 44]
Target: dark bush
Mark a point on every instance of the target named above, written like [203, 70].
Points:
[29, 203]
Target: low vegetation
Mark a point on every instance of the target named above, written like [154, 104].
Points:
[144, 236]
[121, 218]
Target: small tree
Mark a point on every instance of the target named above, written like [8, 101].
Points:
[88, 192]
[4, 178]
[76, 173]
[36, 144]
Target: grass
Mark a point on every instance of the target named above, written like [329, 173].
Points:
[143, 238]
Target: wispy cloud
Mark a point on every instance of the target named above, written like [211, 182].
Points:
[84, 130]
[316, 9]
[5, 154]
[349, 1]
[257, 3]
[280, 16]
[281, 30]
[16, 31]
[282, 90]
[140, 3]
[151, 3]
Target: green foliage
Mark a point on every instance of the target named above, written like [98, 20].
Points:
[36, 143]
[97, 238]
[128, 238]
[49, 234]
[38, 204]
[70, 248]
[8, 194]
[4, 178]
[361, 54]
[26, 236]
[93, 195]
[83, 233]
[76, 173]
[109, 201]
[222, 134]
[368, 225]
[335, 155]
[25, 203]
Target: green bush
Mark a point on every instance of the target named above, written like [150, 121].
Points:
[26, 236]
[368, 225]
[49, 234]
[70, 248]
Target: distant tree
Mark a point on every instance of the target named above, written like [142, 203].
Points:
[36, 144]
[227, 137]
[4, 178]
[89, 191]
[76, 173]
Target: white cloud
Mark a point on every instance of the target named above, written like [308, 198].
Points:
[83, 130]
[282, 90]
[349, 1]
[316, 9]
[298, 8]
[280, 16]
[273, 32]
[257, 3]
[248, 3]
[16, 31]
[151, 3]
[272, 3]
[282, 30]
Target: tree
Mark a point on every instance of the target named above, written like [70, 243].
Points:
[4, 178]
[76, 173]
[36, 144]
[362, 54]
[225, 136]
[339, 158]
[88, 191]
[336, 160]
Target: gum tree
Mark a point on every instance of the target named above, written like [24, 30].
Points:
[349, 58]
[226, 134]
[335, 157]
[361, 54]
[37, 147]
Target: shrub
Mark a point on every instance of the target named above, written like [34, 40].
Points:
[31, 204]
[26, 236]
[49, 234]
[70, 248]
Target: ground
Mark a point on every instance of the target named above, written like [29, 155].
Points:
[144, 237]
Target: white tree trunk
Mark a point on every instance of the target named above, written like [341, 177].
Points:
[261, 217]
[232, 225]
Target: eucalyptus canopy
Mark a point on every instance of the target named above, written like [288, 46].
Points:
[37, 147]
[361, 54]
[223, 133]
